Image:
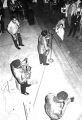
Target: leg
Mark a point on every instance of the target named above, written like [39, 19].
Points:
[2, 25]
[71, 29]
[40, 58]
[44, 60]
[15, 41]
[19, 39]
[74, 31]
[23, 88]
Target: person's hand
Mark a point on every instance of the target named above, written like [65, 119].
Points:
[34, 82]
[72, 99]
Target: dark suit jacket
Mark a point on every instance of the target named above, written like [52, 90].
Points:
[75, 20]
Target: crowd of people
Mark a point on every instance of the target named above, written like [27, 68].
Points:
[73, 18]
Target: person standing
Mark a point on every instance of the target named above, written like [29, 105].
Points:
[11, 8]
[43, 48]
[13, 29]
[75, 24]
[2, 29]
[55, 105]
[21, 71]
[79, 36]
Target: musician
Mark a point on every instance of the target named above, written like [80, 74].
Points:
[13, 29]
[11, 7]
[43, 48]
[55, 105]
[22, 73]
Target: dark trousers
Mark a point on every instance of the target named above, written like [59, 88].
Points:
[31, 19]
[23, 87]
[17, 39]
[42, 58]
[73, 29]
[2, 25]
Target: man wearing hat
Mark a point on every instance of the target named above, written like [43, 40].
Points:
[13, 29]
[22, 73]
[75, 23]
[42, 46]
[55, 106]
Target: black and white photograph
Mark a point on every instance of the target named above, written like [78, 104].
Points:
[40, 59]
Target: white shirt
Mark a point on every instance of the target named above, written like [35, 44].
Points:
[13, 27]
[60, 32]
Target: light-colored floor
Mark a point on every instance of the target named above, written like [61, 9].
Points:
[51, 79]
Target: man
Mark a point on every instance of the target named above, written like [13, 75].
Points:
[75, 24]
[43, 48]
[55, 106]
[13, 29]
[2, 27]
[22, 73]
[11, 7]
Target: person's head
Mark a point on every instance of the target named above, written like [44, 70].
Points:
[21, 65]
[16, 63]
[62, 95]
[61, 25]
[78, 13]
[44, 33]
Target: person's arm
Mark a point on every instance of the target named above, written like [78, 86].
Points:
[65, 104]
[33, 82]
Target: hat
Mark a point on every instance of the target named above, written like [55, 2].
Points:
[62, 95]
[44, 33]
[16, 63]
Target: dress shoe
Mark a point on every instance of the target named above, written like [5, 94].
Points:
[18, 48]
[46, 64]
[21, 45]
[26, 93]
